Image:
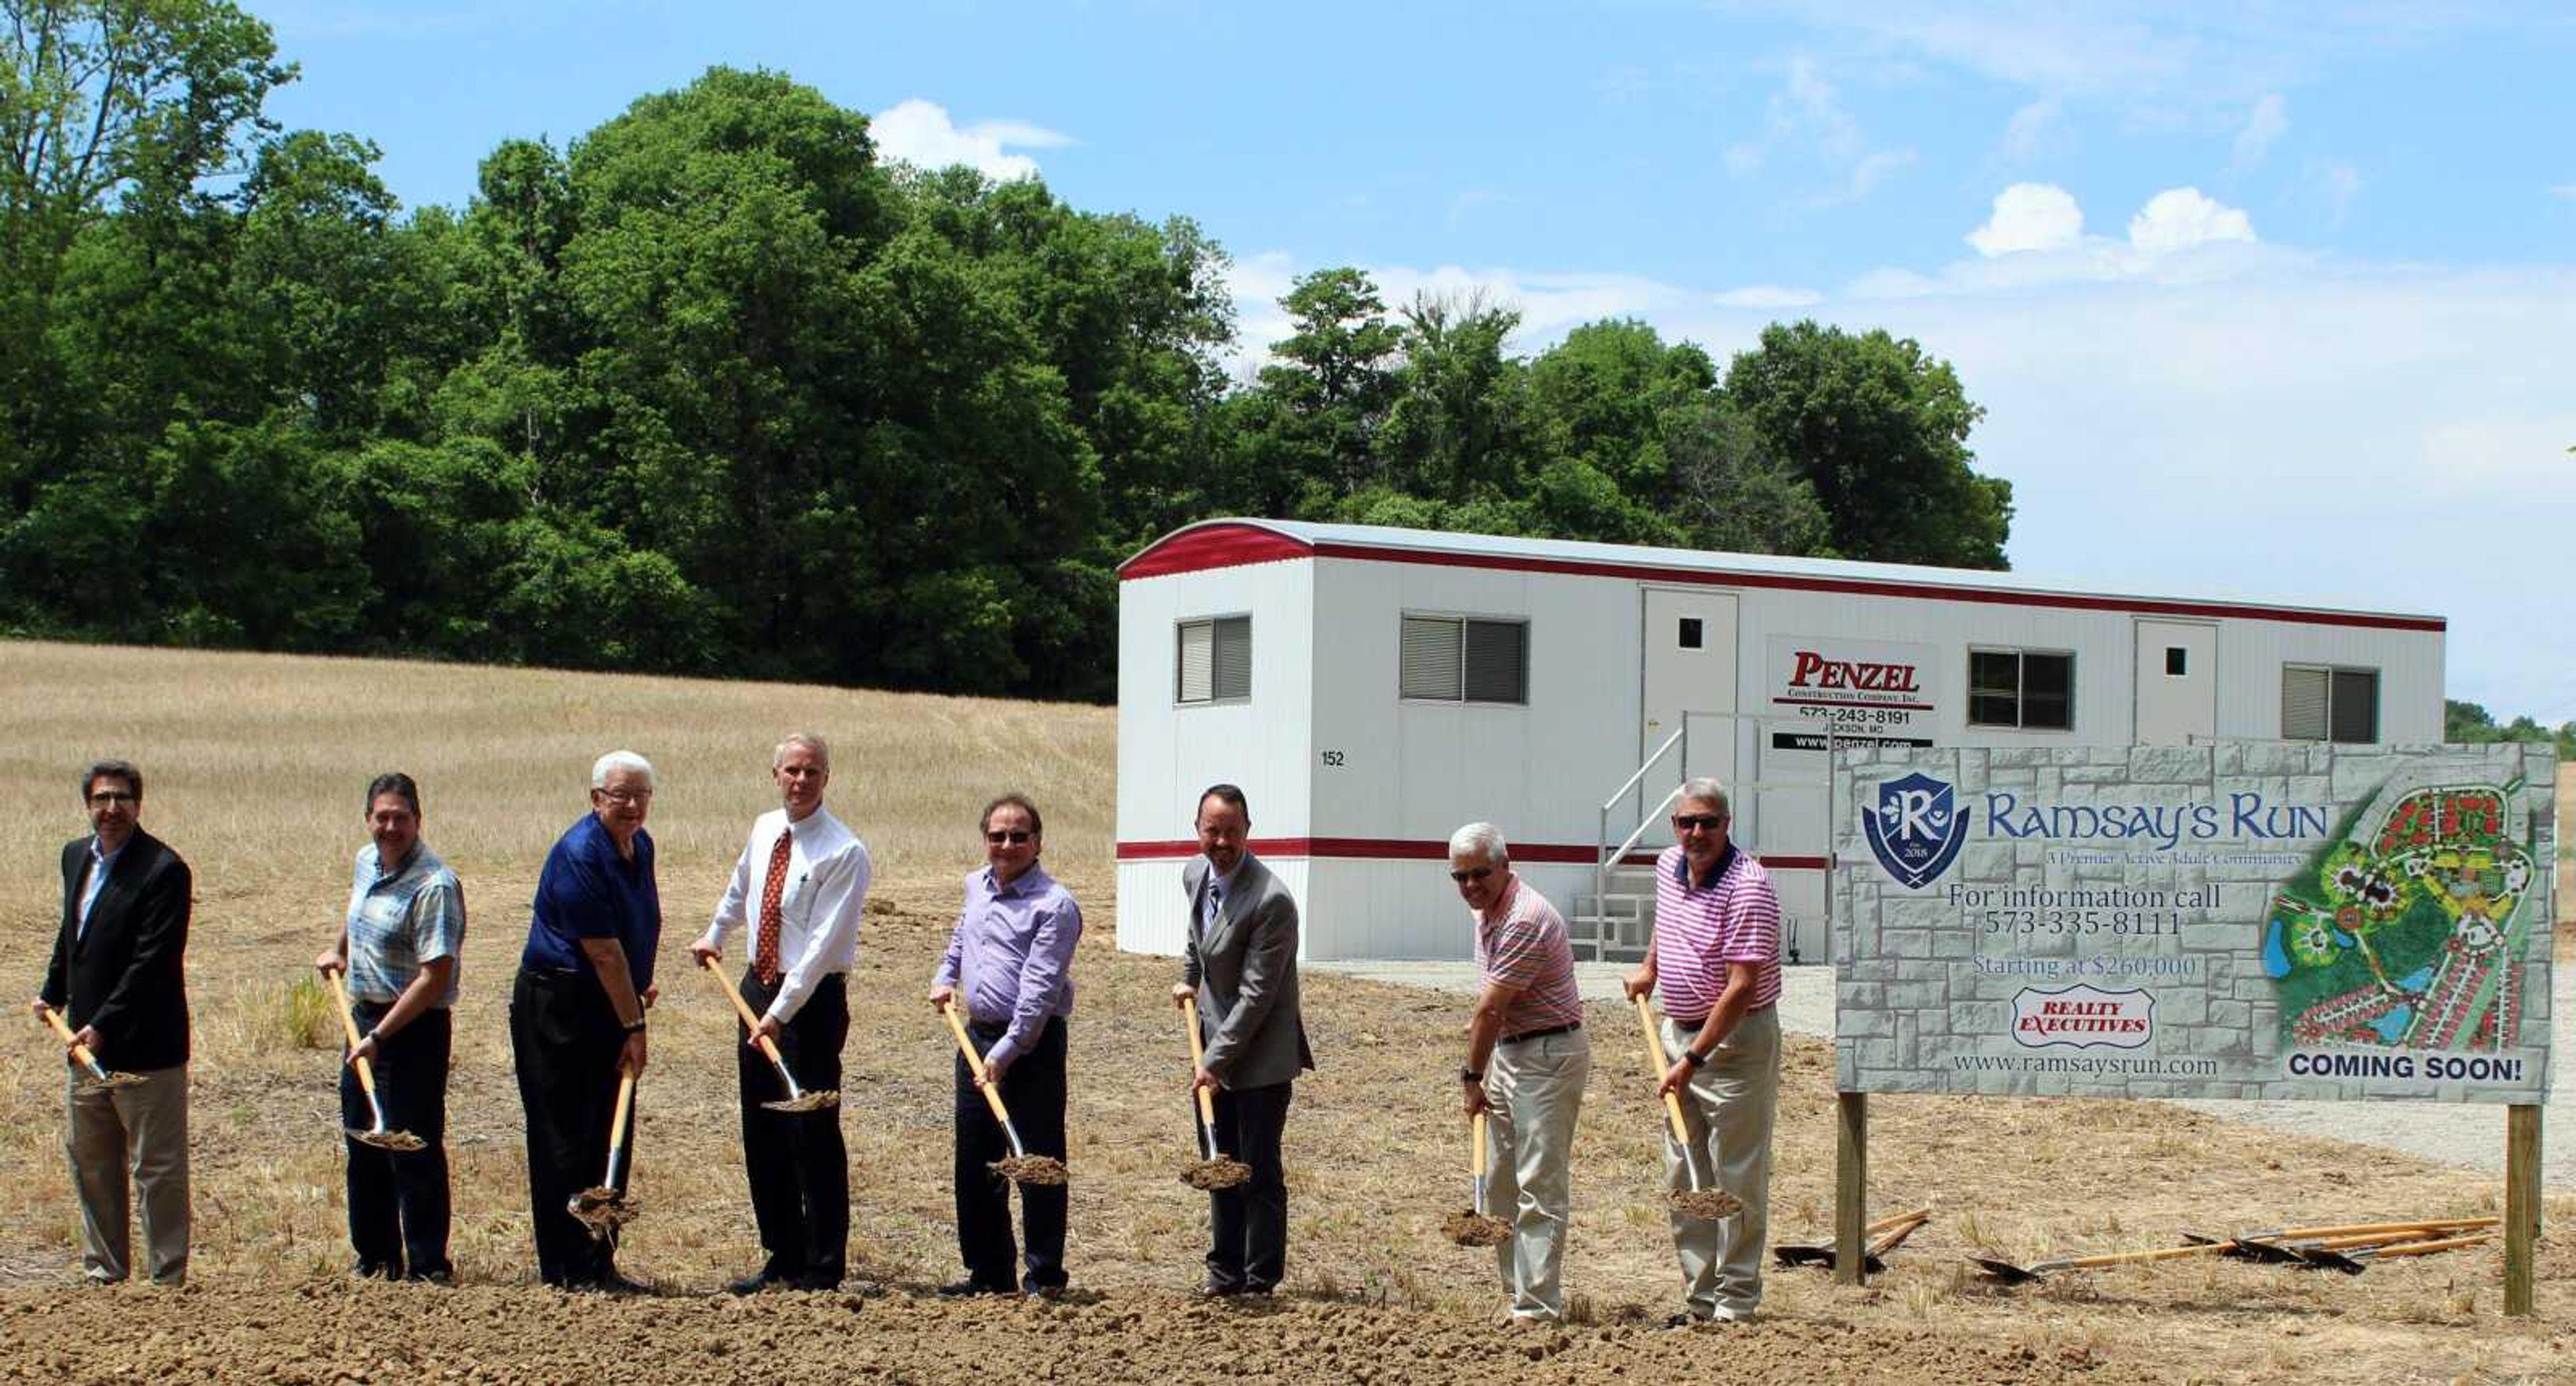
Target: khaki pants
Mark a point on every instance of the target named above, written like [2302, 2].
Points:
[1535, 1090]
[1728, 1107]
[142, 1129]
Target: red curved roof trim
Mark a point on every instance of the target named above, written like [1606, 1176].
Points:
[1213, 546]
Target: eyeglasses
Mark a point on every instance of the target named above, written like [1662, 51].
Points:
[1013, 836]
[624, 796]
[1475, 874]
[105, 797]
[1684, 822]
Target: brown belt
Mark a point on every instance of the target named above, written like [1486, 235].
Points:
[1541, 1034]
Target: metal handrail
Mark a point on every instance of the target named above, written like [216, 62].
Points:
[1621, 792]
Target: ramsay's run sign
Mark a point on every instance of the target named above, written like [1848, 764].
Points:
[2244, 919]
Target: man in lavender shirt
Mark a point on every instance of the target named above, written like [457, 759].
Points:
[1010, 963]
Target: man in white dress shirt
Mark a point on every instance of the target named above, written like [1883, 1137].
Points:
[800, 886]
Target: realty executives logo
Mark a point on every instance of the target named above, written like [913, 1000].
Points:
[1916, 829]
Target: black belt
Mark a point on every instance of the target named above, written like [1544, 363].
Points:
[1541, 1034]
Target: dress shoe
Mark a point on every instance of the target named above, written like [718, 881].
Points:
[1217, 1289]
[610, 1284]
[756, 1282]
[964, 1289]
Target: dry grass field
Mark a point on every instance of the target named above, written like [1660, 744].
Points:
[255, 768]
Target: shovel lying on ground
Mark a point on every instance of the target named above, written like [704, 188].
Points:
[606, 1208]
[1695, 1202]
[797, 1099]
[2010, 1274]
[1212, 1170]
[375, 1135]
[1890, 1231]
[2289, 1245]
[2350, 1260]
[80, 1052]
[1474, 1227]
[1020, 1166]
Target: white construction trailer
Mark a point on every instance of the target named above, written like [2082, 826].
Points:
[1373, 689]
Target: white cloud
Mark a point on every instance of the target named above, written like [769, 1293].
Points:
[1876, 169]
[2342, 183]
[1807, 117]
[920, 133]
[2029, 216]
[2264, 127]
[1766, 296]
[2179, 218]
[2033, 130]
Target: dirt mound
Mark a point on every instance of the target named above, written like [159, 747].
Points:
[325, 1332]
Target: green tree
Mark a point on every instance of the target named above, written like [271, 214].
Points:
[1879, 427]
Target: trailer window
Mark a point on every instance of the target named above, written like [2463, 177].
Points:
[1457, 659]
[2028, 690]
[2323, 704]
[1215, 660]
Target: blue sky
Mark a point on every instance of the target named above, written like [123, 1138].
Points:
[2266, 299]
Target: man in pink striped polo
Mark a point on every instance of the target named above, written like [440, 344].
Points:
[1527, 1061]
[1716, 957]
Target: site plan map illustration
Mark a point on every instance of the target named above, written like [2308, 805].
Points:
[2409, 931]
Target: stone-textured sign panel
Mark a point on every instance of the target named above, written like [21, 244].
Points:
[2239, 920]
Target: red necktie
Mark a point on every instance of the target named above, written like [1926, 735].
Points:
[764, 955]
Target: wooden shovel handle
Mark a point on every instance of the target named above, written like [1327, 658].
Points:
[2122, 1258]
[2428, 1248]
[975, 1064]
[349, 1026]
[1198, 1060]
[1655, 1051]
[1889, 1223]
[2357, 1228]
[1892, 1232]
[743, 1008]
[617, 1123]
[1476, 1144]
[80, 1051]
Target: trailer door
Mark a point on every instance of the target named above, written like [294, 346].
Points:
[1690, 668]
[2177, 682]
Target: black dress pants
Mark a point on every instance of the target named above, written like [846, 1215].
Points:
[1033, 1089]
[566, 1039]
[798, 1166]
[398, 1209]
[1248, 1224]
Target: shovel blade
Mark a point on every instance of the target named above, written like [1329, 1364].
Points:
[2004, 1272]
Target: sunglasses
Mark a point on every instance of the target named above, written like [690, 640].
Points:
[1684, 822]
[1013, 836]
[1478, 874]
[105, 797]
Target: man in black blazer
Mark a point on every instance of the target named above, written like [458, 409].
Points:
[116, 978]
[1241, 965]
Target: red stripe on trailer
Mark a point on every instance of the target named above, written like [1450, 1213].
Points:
[1214, 546]
[1406, 849]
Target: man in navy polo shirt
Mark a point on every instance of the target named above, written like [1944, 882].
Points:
[577, 1012]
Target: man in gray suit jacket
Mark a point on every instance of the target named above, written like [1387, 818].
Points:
[1241, 965]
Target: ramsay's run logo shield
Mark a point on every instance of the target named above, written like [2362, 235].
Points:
[1915, 829]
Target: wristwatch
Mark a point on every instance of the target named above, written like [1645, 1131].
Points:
[1693, 1057]
[637, 1028]
[1469, 1075]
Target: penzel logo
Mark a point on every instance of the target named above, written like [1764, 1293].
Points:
[1813, 670]
[1916, 829]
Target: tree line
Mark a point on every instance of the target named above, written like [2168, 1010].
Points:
[715, 388]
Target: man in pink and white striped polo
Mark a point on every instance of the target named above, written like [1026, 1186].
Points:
[1527, 1062]
[1716, 956]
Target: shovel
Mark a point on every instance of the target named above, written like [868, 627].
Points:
[2350, 1262]
[2288, 1245]
[1474, 1227]
[797, 1099]
[606, 1208]
[2010, 1274]
[1892, 1232]
[375, 1135]
[1706, 1205]
[1213, 1170]
[1021, 1167]
[100, 1076]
